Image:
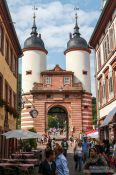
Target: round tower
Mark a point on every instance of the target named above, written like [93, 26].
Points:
[33, 60]
[78, 58]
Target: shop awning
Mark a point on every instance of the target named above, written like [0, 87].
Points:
[109, 117]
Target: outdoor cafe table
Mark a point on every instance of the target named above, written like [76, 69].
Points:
[20, 155]
[21, 166]
[33, 161]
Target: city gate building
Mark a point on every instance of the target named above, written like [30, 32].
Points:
[66, 90]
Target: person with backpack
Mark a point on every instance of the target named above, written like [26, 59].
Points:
[64, 145]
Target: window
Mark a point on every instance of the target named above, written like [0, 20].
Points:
[105, 50]
[103, 91]
[10, 96]
[108, 46]
[85, 107]
[66, 96]
[1, 39]
[66, 80]
[29, 72]
[6, 91]
[1, 86]
[99, 59]
[84, 72]
[47, 80]
[7, 51]
[111, 38]
[48, 96]
[110, 83]
[14, 100]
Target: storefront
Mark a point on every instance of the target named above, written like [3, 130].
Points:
[107, 129]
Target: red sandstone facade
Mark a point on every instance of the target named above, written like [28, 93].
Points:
[55, 91]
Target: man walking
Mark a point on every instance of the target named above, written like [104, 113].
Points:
[61, 161]
[64, 145]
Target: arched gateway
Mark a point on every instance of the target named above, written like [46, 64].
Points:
[58, 121]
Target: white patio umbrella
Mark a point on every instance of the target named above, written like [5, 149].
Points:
[21, 134]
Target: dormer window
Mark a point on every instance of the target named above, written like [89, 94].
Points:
[48, 80]
[66, 80]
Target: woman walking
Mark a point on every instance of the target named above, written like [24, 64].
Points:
[78, 155]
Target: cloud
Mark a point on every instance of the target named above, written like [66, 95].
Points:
[55, 20]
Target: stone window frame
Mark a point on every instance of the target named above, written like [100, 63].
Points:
[48, 80]
[67, 80]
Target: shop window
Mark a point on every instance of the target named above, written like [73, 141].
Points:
[66, 80]
[47, 80]
[29, 72]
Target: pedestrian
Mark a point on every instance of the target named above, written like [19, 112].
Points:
[61, 161]
[95, 164]
[64, 145]
[71, 141]
[85, 148]
[78, 153]
[48, 166]
[53, 143]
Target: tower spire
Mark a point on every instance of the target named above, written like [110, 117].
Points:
[76, 28]
[34, 27]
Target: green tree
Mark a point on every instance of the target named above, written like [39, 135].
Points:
[33, 142]
[94, 111]
[52, 122]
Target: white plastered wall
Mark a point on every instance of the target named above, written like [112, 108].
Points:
[35, 61]
[78, 61]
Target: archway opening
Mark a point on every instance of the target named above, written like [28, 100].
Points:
[58, 122]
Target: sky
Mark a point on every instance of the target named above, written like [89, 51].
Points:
[55, 19]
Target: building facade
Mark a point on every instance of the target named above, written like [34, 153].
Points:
[9, 52]
[103, 41]
[67, 90]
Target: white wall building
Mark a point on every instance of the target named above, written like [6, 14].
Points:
[103, 41]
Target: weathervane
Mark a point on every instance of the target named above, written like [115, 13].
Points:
[34, 9]
[76, 16]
